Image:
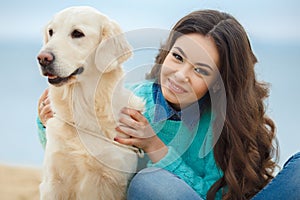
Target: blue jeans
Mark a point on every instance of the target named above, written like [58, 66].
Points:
[286, 185]
[159, 184]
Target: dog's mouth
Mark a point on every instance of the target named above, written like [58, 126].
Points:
[58, 81]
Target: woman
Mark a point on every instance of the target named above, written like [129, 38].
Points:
[200, 144]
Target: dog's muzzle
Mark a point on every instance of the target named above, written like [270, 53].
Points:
[58, 81]
[46, 61]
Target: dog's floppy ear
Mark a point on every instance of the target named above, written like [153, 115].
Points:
[113, 49]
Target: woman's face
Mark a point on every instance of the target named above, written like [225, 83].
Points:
[189, 69]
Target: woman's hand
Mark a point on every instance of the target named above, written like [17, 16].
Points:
[44, 109]
[140, 134]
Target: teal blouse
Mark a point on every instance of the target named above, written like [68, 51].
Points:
[190, 155]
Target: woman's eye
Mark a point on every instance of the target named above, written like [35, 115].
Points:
[77, 34]
[177, 57]
[201, 71]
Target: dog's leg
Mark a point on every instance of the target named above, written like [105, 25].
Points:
[56, 184]
[88, 188]
[50, 190]
[106, 184]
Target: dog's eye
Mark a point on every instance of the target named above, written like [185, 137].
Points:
[77, 34]
[50, 32]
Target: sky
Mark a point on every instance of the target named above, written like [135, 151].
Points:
[265, 20]
[271, 23]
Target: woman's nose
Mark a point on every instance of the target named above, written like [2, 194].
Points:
[182, 74]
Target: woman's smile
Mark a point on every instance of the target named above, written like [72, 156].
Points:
[174, 87]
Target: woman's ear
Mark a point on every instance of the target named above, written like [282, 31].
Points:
[113, 49]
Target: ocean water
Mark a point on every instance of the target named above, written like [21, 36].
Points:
[21, 85]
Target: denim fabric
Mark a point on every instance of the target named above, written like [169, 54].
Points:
[286, 185]
[155, 183]
[163, 111]
[159, 184]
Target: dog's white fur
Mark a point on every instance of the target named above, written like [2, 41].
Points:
[76, 164]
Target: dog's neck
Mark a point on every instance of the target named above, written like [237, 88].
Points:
[76, 102]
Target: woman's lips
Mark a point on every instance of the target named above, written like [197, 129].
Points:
[175, 87]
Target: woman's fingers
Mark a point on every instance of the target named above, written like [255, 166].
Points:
[127, 141]
[44, 96]
[134, 114]
[45, 114]
[133, 119]
[44, 109]
[45, 93]
[46, 101]
[128, 121]
[126, 130]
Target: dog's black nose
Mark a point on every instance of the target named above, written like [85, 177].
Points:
[45, 58]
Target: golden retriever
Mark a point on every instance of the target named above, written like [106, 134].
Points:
[82, 57]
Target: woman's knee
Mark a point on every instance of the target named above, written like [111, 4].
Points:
[285, 184]
[292, 169]
[144, 184]
[155, 183]
[293, 159]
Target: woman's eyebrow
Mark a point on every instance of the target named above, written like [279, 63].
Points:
[204, 65]
[180, 50]
[198, 63]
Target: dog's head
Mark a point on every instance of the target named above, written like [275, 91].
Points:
[78, 41]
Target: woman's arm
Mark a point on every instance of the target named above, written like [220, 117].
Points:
[41, 132]
[44, 114]
[141, 135]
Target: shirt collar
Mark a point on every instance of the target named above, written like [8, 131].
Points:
[189, 116]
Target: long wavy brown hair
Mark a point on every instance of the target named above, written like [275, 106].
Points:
[246, 150]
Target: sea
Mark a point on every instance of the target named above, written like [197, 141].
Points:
[21, 85]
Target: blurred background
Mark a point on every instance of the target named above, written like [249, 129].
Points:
[271, 25]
